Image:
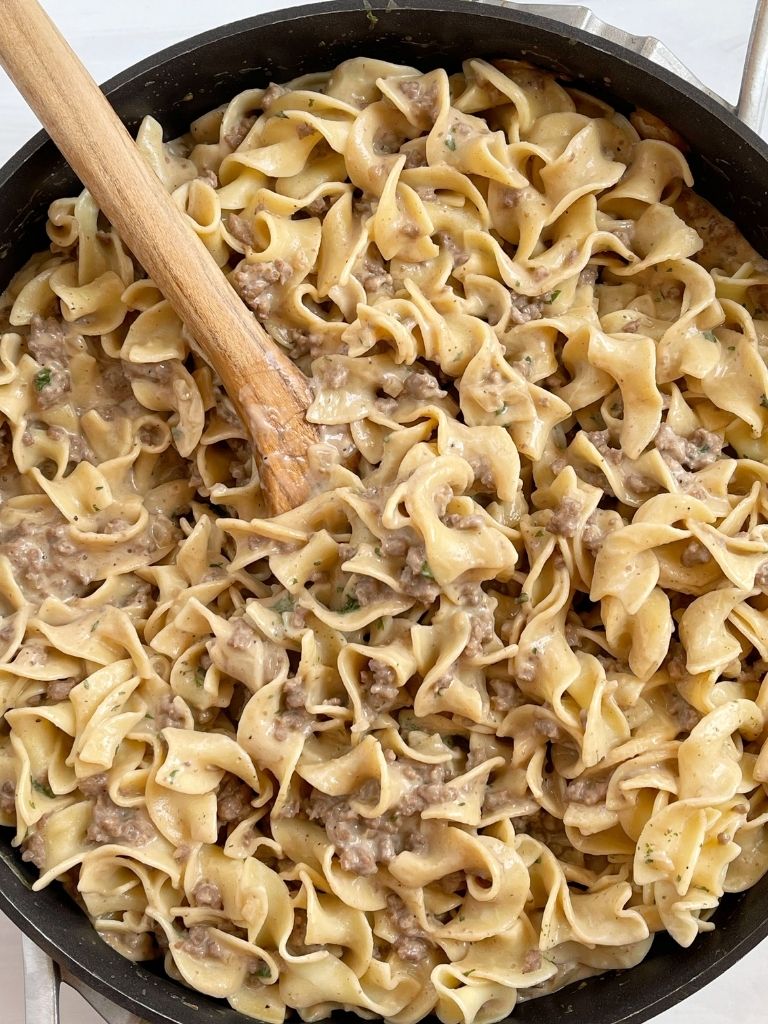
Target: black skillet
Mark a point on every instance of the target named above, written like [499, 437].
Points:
[730, 164]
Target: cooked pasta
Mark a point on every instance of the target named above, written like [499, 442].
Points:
[488, 710]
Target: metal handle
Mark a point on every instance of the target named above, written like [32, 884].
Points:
[41, 985]
[753, 97]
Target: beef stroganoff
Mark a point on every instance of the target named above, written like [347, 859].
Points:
[487, 711]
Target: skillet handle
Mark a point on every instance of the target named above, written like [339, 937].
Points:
[753, 97]
[41, 985]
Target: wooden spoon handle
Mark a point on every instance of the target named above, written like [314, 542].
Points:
[269, 392]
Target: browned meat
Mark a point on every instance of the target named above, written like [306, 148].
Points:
[701, 449]
[600, 439]
[94, 785]
[369, 591]
[445, 241]
[7, 797]
[240, 229]
[416, 578]
[363, 843]
[271, 93]
[113, 824]
[411, 942]
[47, 342]
[238, 131]
[423, 385]
[290, 721]
[242, 636]
[169, 715]
[33, 848]
[694, 553]
[318, 207]
[294, 694]
[589, 791]
[524, 309]
[594, 534]
[565, 519]
[686, 715]
[34, 551]
[504, 695]
[60, 689]
[459, 522]
[207, 894]
[377, 682]
[532, 961]
[254, 283]
[374, 276]
[481, 631]
[233, 800]
[79, 449]
[423, 98]
[202, 944]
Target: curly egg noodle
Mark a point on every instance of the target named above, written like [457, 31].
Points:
[487, 711]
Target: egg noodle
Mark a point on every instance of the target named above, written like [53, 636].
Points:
[487, 711]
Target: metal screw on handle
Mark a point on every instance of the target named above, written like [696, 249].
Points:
[753, 97]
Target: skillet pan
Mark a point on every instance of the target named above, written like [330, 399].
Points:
[730, 164]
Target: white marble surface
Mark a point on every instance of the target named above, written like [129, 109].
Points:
[112, 34]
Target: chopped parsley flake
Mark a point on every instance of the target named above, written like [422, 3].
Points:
[450, 143]
[501, 410]
[263, 971]
[426, 571]
[372, 19]
[284, 604]
[199, 676]
[42, 378]
[710, 336]
[555, 295]
[350, 605]
[44, 788]
[522, 598]
[172, 775]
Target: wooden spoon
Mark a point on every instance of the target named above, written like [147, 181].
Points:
[270, 393]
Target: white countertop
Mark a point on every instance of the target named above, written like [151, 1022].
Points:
[709, 35]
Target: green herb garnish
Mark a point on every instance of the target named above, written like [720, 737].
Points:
[199, 676]
[522, 598]
[426, 571]
[350, 605]
[710, 336]
[44, 788]
[285, 604]
[450, 143]
[372, 19]
[555, 295]
[43, 378]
